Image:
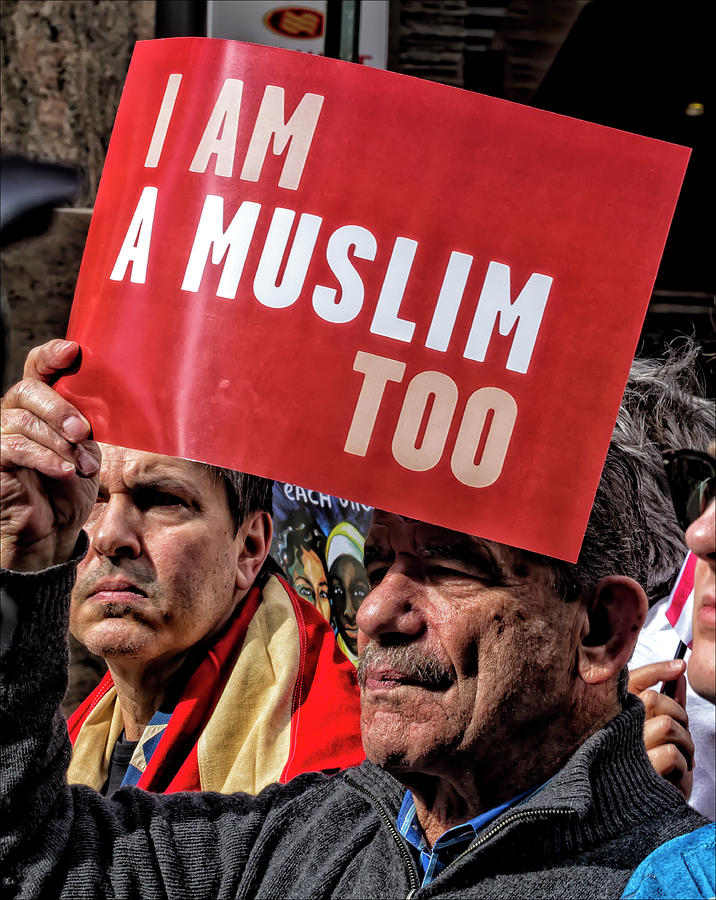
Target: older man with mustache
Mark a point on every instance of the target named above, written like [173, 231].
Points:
[505, 756]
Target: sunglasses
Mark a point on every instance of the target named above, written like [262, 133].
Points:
[692, 481]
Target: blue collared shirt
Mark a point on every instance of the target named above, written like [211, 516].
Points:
[454, 841]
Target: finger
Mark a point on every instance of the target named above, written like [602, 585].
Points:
[660, 705]
[647, 676]
[18, 452]
[46, 362]
[669, 762]
[664, 731]
[90, 460]
[16, 423]
[51, 407]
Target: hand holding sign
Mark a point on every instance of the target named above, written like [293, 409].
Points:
[49, 469]
[288, 273]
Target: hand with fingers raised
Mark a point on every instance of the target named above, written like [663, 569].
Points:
[49, 469]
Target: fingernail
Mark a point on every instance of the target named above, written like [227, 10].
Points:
[88, 464]
[64, 345]
[67, 466]
[75, 429]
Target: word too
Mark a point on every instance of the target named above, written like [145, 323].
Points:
[482, 439]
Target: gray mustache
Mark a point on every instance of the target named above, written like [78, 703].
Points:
[412, 663]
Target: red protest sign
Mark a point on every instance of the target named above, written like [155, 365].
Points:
[390, 290]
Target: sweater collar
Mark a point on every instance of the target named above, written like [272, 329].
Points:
[607, 785]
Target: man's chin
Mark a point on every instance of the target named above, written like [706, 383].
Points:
[394, 741]
[112, 638]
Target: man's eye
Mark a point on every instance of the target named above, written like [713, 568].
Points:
[446, 570]
[376, 575]
[148, 498]
[307, 592]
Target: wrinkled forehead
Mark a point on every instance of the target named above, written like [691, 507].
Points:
[391, 533]
[127, 463]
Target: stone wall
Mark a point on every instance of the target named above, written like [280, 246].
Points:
[63, 67]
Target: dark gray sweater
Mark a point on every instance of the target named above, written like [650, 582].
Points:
[581, 836]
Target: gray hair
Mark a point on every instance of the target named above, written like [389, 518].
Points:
[632, 528]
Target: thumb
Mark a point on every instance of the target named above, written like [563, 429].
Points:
[46, 362]
[647, 676]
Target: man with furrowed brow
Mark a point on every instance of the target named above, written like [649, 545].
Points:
[505, 757]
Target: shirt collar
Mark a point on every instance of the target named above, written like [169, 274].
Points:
[453, 841]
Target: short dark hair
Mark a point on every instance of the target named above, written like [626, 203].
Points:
[244, 493]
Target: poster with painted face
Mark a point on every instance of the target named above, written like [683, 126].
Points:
[318, 541]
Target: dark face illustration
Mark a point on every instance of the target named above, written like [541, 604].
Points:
[309, 580]
[349, 586]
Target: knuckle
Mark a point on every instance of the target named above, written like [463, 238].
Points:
[674, 756]
[24, 420]
[650, 699]
[25, 391]
[13, 442]
[664, 725]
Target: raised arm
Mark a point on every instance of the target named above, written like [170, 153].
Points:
[56, 840]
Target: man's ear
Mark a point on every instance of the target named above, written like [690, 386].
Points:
[616, 613]
[254, 536]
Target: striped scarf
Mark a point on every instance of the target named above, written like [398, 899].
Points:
[272, 697]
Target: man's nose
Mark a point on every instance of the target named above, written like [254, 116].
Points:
[115, 531]
[393, 607]
[701, 535]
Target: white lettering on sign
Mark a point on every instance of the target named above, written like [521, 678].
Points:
[378, 371]
[522, 317]
[219, 136]
[446, 309]
[487, 469]
[350, 303]
[385, 317]
[315, 498]
[524, 314]
[266, 290]
[162, 124]
[424, 386]
[297, 134]
[135, 247]
[233, 243]
[476, 427]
